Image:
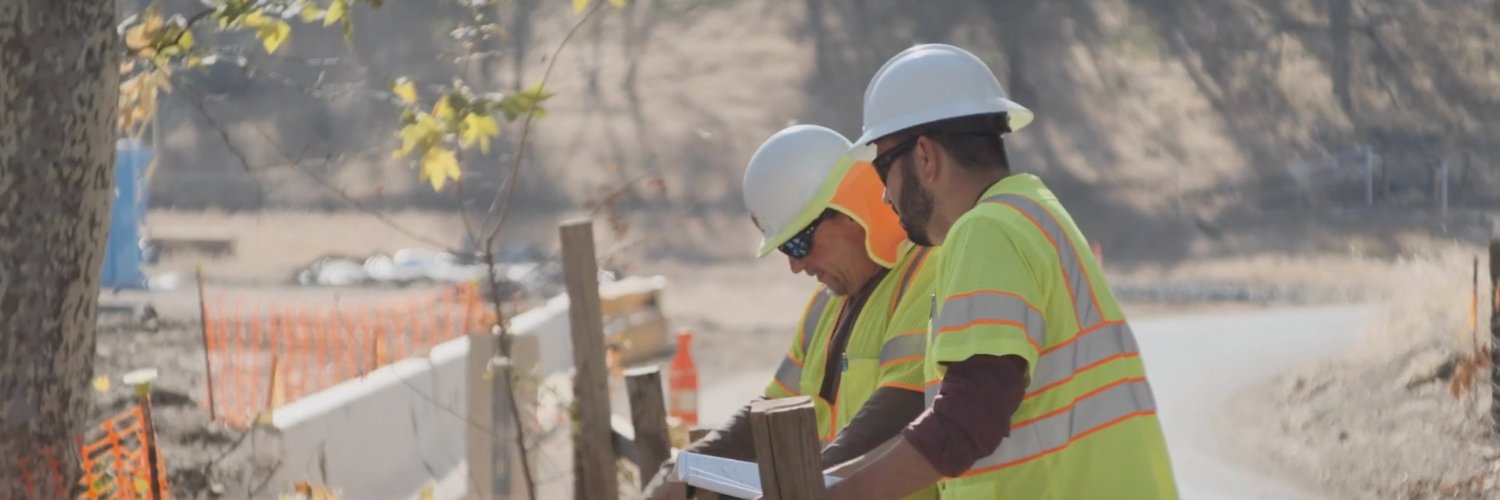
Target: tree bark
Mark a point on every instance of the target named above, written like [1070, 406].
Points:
[59, 88]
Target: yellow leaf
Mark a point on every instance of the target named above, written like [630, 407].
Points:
[406, 90]
[153, 20]
[137, 38]
[579, 5]
[426, 492]
[255, 19]
[186, 41]
[193, 61]
[310, 14]
[439, 165]
[272, 33]
[617, 3]
[142, 486]
[479, 128]
[336, 11]
[101, 383]
[422, 131]
[442, 110]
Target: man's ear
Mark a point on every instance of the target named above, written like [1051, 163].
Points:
[926, 158]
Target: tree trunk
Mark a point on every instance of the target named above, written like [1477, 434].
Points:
[59, 88]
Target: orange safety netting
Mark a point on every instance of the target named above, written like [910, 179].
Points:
[261, 356]
[116, 465]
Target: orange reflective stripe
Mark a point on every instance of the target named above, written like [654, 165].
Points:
[912, 267]
[898, 385]
[1080, 288]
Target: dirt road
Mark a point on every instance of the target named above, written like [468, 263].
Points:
[1196, 363]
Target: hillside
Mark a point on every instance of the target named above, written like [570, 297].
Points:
[1173, 130]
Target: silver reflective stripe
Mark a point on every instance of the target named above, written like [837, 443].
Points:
[813, 316]
[1078, 283]
[1059, 363]
[961, 310]
[1054, 432]
[789, 375]
[904, 346]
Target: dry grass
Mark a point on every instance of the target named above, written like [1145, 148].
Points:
[1426, 300]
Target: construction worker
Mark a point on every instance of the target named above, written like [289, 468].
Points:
[858, 349]
[1035, 388]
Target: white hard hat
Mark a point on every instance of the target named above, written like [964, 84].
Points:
[792, 178]
[929, 83]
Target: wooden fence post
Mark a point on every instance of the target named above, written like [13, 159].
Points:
[1495, 334]
[595, 475]
[208, 366]
[648, 414]
[787, 448]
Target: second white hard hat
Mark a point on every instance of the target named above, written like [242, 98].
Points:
[790, 180]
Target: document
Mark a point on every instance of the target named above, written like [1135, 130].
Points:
[736, 478]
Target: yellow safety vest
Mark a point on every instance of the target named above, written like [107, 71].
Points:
[1016, 278]
[884, 349]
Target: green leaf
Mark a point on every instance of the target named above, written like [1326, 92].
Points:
[336, 11]
[580, 5]
[479, 128]
[439, 165]
[406, 90]
[526, 102]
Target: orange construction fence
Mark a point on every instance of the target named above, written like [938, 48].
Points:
[114, 465]
[263, 355]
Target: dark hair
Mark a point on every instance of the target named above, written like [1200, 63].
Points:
[974, 141]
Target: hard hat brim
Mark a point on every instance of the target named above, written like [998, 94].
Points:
[1016, 115]
[809, 211]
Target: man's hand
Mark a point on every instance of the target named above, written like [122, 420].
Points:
[663, 487]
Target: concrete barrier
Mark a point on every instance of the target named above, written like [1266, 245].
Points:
[403, 427]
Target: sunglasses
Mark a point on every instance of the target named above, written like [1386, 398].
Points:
[802, 243]
[886, 160]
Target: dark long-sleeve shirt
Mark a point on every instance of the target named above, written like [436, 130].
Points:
[971, 414]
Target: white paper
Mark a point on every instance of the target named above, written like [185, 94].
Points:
[724, 476]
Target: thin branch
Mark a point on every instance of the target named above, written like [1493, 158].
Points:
[510, 182]
[260, 193]
[297, 162]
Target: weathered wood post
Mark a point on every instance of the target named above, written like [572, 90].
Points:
[1495, 334]
[593, 456]
[648, 415]
[787, 448]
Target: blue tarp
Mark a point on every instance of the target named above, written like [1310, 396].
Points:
[122, 254]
